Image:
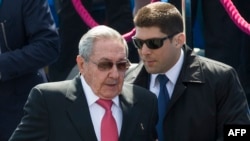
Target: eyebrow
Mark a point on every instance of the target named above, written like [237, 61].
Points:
[107, 59]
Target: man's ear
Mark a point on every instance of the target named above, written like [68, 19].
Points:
[80, 63]
[180, 39]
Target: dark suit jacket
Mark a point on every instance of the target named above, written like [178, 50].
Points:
[223, 40]
[206, 96]
[59, 112]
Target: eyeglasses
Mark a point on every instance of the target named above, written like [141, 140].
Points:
[153, 43]
[108, 65]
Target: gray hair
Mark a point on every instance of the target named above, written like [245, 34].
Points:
[98, 32]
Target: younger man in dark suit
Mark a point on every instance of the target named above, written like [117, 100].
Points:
[70, 110]
[204, 94]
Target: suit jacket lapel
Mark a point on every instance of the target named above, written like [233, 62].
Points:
[191, 72]
[79, 112]
[139, 76]
[129, 109]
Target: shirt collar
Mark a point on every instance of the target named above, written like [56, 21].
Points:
[173, 73]
[91, 97]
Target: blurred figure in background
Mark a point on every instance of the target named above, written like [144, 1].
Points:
[28, 42]
[138, 4]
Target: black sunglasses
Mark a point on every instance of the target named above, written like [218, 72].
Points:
[108, 65]
[153, 43]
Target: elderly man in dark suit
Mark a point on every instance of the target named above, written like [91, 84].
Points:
[202, 95]
[72, 109]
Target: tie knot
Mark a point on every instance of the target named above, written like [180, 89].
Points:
[163, 79]
[106, 104]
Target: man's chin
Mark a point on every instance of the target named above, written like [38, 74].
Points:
[150, 70]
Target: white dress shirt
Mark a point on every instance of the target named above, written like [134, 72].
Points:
[172, 75]
[97, 112]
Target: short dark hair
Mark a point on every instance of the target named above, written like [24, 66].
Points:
[160, 14]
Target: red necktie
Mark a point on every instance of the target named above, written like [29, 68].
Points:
[108, 125]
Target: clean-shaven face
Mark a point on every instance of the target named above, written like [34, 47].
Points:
[105, 83]
[157, 60]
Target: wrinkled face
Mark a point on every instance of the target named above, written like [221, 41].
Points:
[158, 60]
[105, 79]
